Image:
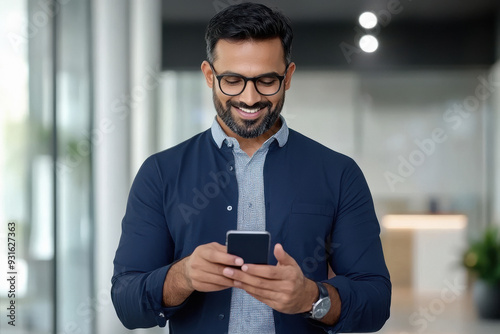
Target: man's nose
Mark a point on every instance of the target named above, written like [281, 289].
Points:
[250, 96]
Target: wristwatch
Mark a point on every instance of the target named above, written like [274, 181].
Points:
[321, 307]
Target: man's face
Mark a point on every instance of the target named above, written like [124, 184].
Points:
[249, 114]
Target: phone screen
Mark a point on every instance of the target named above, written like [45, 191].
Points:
[251, 246]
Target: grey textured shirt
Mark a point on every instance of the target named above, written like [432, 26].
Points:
[248, 315]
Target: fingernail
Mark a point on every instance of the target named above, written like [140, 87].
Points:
[238, 262]
[228, 272]
[244, 267]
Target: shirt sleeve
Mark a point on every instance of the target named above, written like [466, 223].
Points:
[144, 254]
[362, 278]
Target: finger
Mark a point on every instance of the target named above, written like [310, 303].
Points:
[282, 256]
[219, 247]
[281, 301]
[205, 282]
[267, 289]
[198, 265]
[268, 297]
[251, 280]
[206, 267]
[210, 287]
[264, 271]
[217, 253]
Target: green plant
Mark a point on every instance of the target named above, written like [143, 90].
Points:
[483, 256]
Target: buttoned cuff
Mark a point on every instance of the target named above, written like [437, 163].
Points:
[154, 291]
[342, 284]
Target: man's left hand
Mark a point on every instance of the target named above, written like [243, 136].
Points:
[282, 287]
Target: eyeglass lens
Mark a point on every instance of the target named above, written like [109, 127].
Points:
[234, 85]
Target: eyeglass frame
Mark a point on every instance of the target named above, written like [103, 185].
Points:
[246, 79]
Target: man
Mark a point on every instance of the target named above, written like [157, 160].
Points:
[250, 172]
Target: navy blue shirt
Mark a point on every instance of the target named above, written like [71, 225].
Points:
[318, 206]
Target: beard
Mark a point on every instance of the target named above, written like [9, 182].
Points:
[248, 128]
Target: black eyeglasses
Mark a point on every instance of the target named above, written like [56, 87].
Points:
[234, 84]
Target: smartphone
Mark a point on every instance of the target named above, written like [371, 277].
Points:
[251, 246]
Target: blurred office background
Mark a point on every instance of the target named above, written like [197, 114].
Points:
[89, 89]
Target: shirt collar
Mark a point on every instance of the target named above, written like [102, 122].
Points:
[220, 136]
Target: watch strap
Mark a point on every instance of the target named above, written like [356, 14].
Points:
[323, 293]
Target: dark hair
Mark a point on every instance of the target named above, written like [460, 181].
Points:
[249, 21]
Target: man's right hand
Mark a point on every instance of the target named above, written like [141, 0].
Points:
[200, 271]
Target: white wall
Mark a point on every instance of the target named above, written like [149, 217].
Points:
[376, 119]
[324, 106]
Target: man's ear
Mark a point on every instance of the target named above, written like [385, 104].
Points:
[208, 73]
[289, 74]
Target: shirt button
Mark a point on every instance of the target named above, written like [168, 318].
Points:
[162, 315]
[249, 205]
[231, 168]
[221, 316]
[229, 208]
[229, 145]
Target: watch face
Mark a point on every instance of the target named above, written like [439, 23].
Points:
[321, 308]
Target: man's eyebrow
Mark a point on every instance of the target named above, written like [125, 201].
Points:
[241, 75]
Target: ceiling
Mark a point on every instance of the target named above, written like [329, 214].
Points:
[341, 11]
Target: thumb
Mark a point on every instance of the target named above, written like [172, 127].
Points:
[282, 256]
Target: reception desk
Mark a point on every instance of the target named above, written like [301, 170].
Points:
[423, 252]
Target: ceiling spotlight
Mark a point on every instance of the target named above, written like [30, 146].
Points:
[368, 43]
[368, 20]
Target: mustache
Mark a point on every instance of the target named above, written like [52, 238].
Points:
[258, 105]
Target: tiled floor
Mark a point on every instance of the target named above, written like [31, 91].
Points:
[436, 314]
